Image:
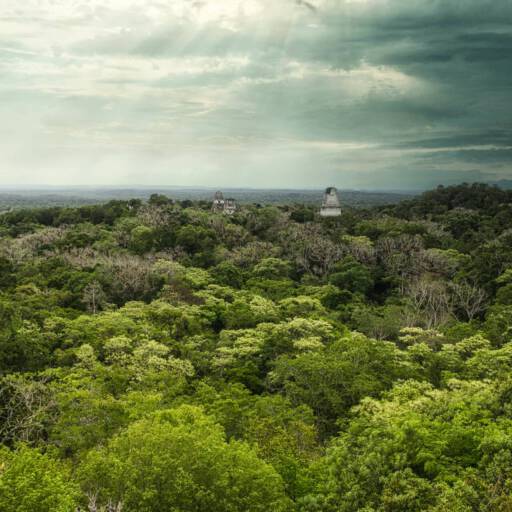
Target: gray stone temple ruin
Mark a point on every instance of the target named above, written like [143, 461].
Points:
[218, 202]
[220, 205]
[331, 206]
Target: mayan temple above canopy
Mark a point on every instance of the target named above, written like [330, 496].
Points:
[218, 201]
[221, 205]
[331, 206]
[230, 206]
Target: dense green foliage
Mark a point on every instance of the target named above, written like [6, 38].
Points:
[156, 356]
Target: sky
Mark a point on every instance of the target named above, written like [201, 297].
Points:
[366, 94]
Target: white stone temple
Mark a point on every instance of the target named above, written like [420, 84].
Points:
[331, 206]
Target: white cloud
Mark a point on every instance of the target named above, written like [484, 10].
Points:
[252, 90]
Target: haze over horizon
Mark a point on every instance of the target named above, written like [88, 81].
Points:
[363, 94]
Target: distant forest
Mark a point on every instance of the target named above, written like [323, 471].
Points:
[80, 196]
[157, 356]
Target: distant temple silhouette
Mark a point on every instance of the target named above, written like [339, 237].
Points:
[218, 201]
[331, 206]
[221, 205]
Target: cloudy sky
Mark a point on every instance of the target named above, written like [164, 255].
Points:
[392, 94]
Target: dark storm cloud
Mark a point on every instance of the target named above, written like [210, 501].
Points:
[494, 137]
[417, 88]
[474, 156]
